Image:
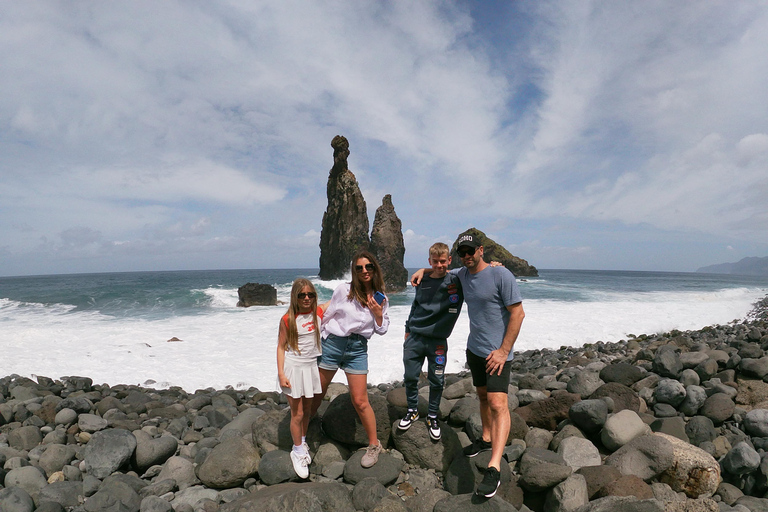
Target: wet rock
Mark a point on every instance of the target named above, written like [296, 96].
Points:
[256, 294]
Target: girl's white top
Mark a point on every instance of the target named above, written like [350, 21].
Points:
[305, 328]
[347, 316]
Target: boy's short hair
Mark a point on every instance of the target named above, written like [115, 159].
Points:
[438, 249]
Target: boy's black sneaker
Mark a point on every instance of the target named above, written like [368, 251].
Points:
[477, 446]
[490, 483]
[433, 428]
[410, 416]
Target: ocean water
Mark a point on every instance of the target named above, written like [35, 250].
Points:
[116, 327]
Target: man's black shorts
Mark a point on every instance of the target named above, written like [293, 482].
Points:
[480, 378]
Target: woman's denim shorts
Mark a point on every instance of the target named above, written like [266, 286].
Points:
[350, 353]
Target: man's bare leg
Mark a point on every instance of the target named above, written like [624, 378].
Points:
[498, 406]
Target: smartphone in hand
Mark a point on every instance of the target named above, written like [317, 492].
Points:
[379, 297]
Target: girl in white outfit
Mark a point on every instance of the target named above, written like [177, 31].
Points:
[298, 347]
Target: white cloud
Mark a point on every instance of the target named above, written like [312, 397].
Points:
[165, 124]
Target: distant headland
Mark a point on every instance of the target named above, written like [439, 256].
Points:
[747, 266]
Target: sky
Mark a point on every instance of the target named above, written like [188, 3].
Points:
[189, 135]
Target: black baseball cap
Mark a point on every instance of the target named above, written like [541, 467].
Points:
[469, 241]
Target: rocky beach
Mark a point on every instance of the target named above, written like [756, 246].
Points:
[666, 422]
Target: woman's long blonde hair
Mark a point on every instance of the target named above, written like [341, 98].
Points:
[356, 289]
[292, 338]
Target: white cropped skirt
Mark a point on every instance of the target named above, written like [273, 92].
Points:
[303, 375]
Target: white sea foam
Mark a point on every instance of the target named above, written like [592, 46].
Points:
[232, 346]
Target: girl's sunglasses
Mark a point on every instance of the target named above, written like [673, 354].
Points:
[368, 267]
[303, 295]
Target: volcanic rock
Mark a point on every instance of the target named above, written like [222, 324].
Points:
[256, 294]
[345, 221]
[388, 246]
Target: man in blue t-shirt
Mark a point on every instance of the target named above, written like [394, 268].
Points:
[496, 313]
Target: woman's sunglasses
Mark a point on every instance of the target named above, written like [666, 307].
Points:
[368, 267]
[303, 295]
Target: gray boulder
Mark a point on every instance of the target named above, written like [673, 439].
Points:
[55, 457]
[464, 502]
[741, 459]
[569, 494]
[542, 469]
[243, 422]
[719, 407]
[584, 384]
[24, 438]
[150, 451]
[385, 471]
[29, 478]
[756, 423]
[192, 495]
[289, 497]
[66, 494]
[463, 409]
[229, 464]
[666, 362]
[621, 428]
[645, 457]
[624, 504]
[589, 415]
[426, 500]
[465, 473]
[754, 368]
[695, 396]
[418, 449]
[107, 451]
[91, 423]
[340, 420]
[16, 499]
[368, 493]
[155, 504]
[113, 495]
[276, 467]
[669, 391]
[623, 373]
[578, 452]
[180, 470]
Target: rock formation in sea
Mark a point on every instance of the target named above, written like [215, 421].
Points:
[256, 294]
[495, 252]
[388, 246]
[345, 221]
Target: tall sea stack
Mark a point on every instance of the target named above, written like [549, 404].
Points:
[388, 246]
[345, 221]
